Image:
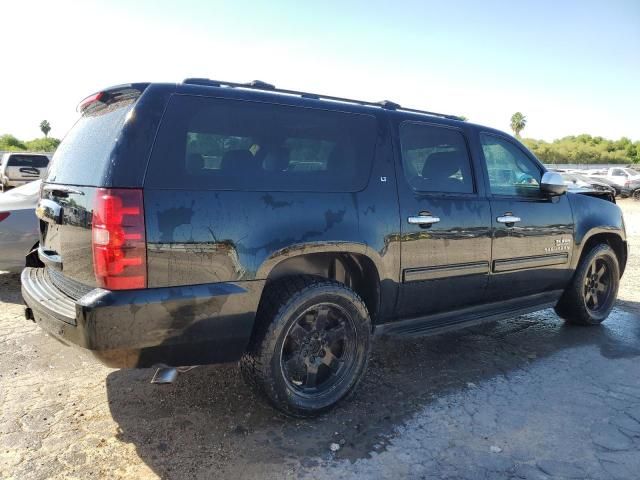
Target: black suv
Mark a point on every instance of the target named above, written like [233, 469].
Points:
[212, 222]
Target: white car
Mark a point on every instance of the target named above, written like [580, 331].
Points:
[621, 176]
[18, 168]
[19, 233]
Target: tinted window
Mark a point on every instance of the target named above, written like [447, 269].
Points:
[238, 145]
[435, 159]
[82, 156]
[37, 161]
[511, 171]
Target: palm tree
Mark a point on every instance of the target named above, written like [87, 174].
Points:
[45, 127]
[518, 122]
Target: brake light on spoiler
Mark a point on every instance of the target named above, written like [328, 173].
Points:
[118, 239]
[90, 100]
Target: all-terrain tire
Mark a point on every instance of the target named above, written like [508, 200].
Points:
[577, 305]
[288, 305]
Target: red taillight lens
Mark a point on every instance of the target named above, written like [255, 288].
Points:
[4, 215]
[119, 244]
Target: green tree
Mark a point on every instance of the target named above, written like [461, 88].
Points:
[11, 144]
[518, 122]
[47, 144]
[45, 127]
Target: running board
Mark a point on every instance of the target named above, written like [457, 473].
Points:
[469, 316]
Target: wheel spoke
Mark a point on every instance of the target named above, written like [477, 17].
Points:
[312, 375]
[601, 287]
[294, 366]
[592, 269]
[331, 361]
[595, 300]
[336, 334]
[322, 318]
[297, 333]
[600, 273]
[587, 297]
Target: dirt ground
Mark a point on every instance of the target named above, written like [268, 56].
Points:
[525, 398]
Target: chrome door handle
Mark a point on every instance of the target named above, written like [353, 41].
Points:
[508, 219]
[423, 220]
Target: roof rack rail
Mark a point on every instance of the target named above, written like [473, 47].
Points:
[260, 85]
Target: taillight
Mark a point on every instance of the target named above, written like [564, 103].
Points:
[119, 244]
[4, 215]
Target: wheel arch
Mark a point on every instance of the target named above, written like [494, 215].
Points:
[601, 235]
[350, 264]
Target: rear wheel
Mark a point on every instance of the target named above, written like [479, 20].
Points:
[636, 194]
[310, 346]
[589, 298]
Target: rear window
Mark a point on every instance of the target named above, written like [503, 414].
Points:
[82, 157]
[221, 144]
[20, 160]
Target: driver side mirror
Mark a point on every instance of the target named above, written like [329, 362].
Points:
[552, 184]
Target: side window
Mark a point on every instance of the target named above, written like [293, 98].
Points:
[435, 159]
[511, 171]
[220, 144]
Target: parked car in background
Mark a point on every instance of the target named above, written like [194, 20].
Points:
[18, 168]
[616, 188]
[18, 226]
[631, 189]
[622, 176]
[577, 180]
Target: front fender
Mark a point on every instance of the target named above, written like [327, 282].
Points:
[594, 216]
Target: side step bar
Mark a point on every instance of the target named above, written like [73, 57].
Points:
[469, 316]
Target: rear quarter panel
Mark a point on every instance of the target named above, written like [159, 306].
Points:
[208, 236]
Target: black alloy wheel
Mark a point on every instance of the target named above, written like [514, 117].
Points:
[319, 349]
[310, 344]
[597, 285]
[590, 296]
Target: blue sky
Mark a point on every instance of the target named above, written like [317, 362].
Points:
[570, 66]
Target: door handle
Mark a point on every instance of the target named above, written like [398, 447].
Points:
[508, 219]
[423, 220]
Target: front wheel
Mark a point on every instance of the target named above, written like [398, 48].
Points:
[636, 194]
[589, 298]
[310, 345]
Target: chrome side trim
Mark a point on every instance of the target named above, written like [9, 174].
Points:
[444, 271]
[537, 261]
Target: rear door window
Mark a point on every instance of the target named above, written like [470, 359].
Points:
[20, 160]
[435, 159]
[221, 144]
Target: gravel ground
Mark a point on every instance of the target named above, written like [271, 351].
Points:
[526, 398]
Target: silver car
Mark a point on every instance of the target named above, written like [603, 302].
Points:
[20, 168]
[18, 225]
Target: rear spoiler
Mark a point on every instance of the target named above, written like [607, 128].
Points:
[111, 95]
